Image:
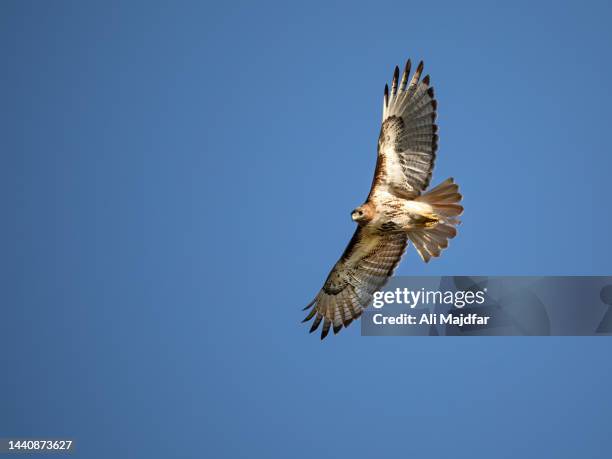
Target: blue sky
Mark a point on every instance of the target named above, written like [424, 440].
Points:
[177, 179]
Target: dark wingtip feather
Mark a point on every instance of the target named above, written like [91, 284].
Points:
[386, 94]
[309, 305]
[337, 328]
[407, 67]
[405, 76]
[310, 315]
[434, 104]
[395, 80]
[430, 92]
[316, 323]
[325, 329]
[420, 67]
[426, 80]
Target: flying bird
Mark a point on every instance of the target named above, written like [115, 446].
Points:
[396, 210]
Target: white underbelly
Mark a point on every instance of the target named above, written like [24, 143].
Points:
[403, 213]
[417, 207]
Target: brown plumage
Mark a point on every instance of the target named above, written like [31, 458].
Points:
[395, 211]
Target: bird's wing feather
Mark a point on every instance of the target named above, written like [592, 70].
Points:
[363, 268]
[408, 141]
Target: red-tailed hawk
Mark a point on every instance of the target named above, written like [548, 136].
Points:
[395, 210]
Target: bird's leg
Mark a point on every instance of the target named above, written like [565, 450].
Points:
[428, 220]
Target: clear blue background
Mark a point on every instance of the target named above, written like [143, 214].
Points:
[176, 181]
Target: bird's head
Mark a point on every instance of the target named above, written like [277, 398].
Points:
[362, 214]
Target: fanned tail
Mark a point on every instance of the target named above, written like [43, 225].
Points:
[432, 239]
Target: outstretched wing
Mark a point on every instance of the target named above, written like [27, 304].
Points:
[408, 141]
[363, 268]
